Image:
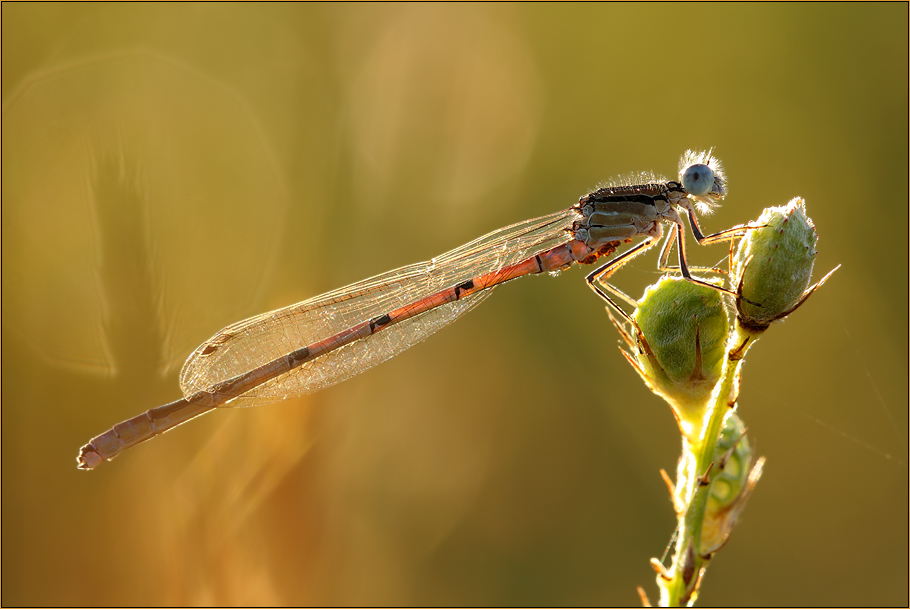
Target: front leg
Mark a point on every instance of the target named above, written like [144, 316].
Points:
[724, 235]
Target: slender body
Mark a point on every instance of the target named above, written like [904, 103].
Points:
[322, 341]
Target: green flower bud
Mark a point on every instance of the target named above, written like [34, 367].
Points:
[682, 329]
[774, 265]
[732, 482]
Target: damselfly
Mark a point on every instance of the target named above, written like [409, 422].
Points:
[322, 341]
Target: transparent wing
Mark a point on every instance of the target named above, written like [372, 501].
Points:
[248, 344]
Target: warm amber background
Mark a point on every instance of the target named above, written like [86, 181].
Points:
[169, 169]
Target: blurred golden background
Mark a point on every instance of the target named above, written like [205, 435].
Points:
[170, 169]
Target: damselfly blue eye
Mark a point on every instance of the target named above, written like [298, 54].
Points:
[698, 179]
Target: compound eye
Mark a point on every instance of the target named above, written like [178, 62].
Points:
[698, 179]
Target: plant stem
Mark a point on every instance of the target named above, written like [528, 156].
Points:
[696, 463]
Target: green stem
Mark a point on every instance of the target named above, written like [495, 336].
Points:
[698, 456]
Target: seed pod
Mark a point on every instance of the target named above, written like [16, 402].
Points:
[732, 482]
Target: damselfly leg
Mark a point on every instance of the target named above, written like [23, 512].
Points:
[599, 278]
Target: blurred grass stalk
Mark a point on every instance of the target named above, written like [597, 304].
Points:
[684, 347]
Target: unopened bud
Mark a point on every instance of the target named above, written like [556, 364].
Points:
[682, 330]
[773, 265]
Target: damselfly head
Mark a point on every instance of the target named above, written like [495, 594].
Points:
[702, 175]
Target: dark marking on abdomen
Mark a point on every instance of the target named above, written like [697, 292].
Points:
[378, 322]
[297, 356]
[467, 285]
